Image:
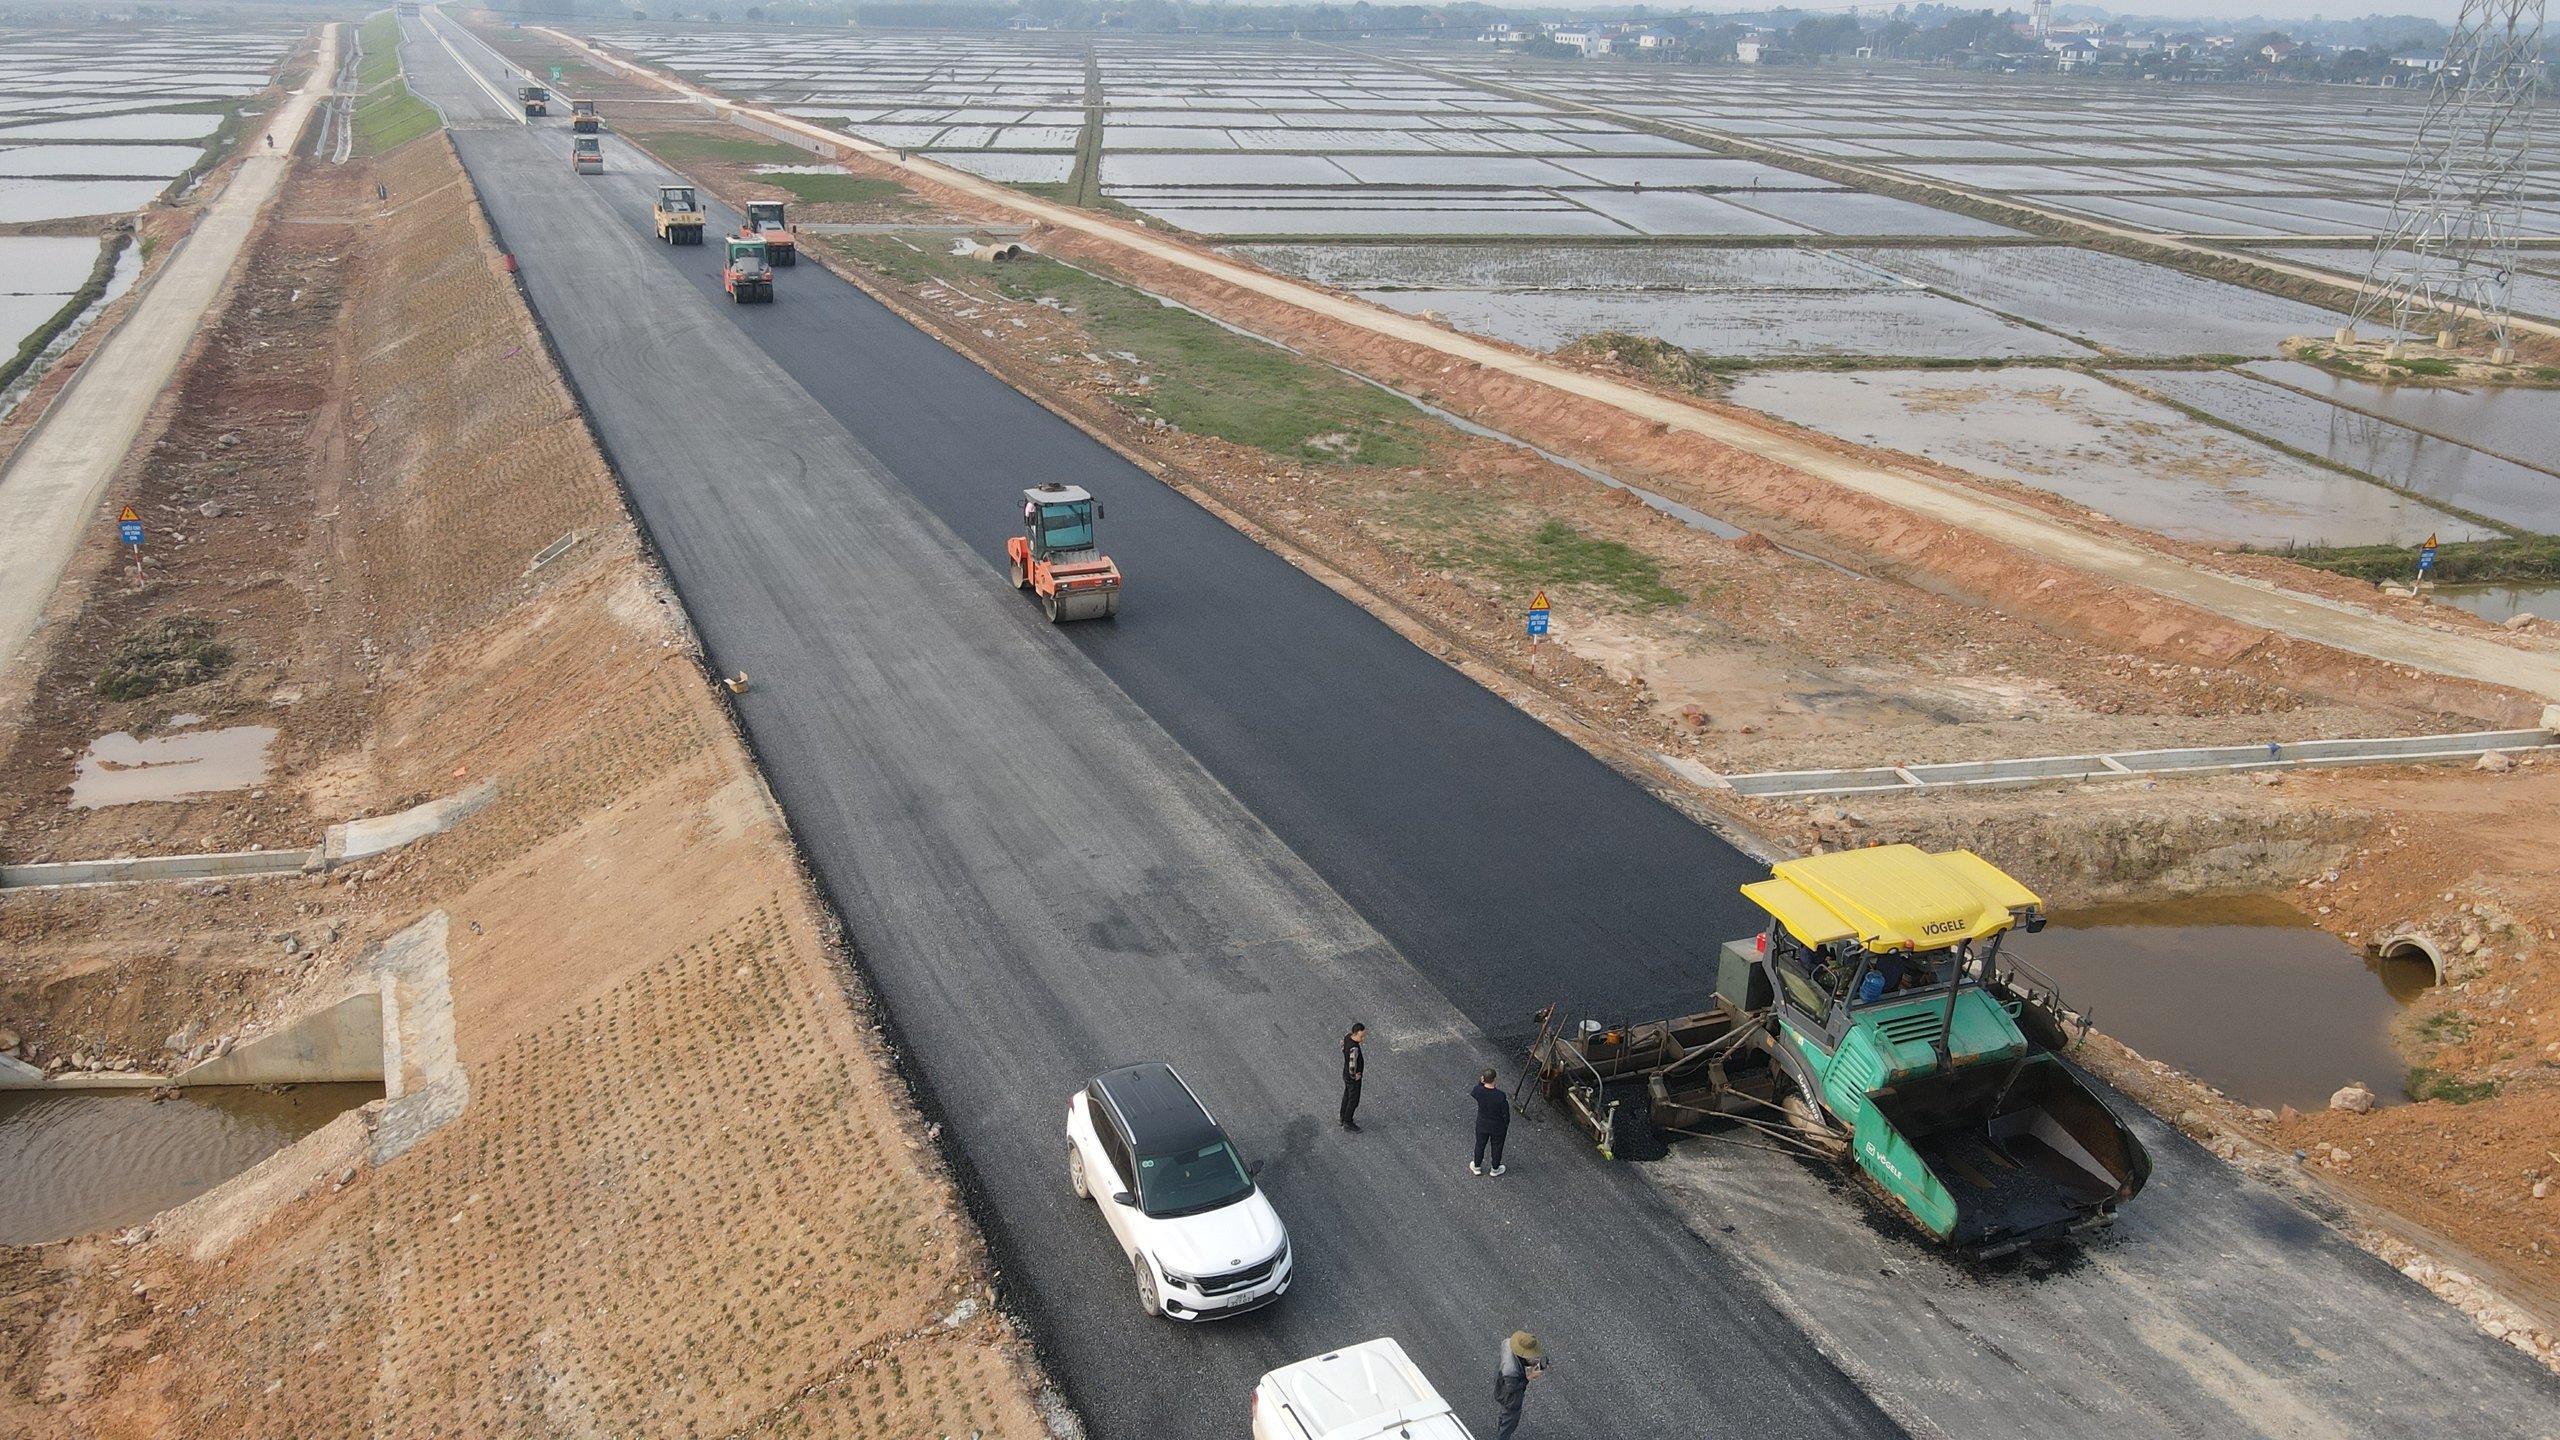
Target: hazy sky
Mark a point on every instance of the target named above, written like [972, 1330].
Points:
[2274, 11]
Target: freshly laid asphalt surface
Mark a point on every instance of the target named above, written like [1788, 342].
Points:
[1049, 846]
[1218, 828]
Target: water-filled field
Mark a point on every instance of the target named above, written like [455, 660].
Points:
[2101, 446]
[100, 120]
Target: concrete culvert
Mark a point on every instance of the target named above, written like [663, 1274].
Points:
[2409, 962]
[1000, 250]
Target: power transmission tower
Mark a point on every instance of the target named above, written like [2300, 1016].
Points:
[2450, 246]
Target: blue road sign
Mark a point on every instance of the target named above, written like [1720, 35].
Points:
[130, 531]
[2426, 559]
[1537, 622]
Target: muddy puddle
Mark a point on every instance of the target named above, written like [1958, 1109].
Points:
[79, 1163]
[121, 770]
[2500, 602]
[2242, 993]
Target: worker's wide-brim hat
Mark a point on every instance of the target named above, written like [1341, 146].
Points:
[1525, 1345]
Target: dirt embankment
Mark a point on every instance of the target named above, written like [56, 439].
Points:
[686, 1193]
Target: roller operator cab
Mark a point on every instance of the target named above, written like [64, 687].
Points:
[537, 101]
[586, 154]
[1198, 1233]
[679, 215]
[583, 118]
[747, 275]
[764, 221]
[1058, 558]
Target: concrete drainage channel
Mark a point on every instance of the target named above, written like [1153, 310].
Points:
[354, 840]
[89, 1150]
[2474, 746]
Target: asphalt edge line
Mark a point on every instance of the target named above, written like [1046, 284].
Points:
[861, 989]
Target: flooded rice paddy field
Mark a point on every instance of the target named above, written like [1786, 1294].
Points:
[2273, 161]
[2531, 291]
[1757, 324]
[2130, 458]
[1603, 197]
[2439, 468]
[37, 275]
[99, 120]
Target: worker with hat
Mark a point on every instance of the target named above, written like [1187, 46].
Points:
[1522, 1362]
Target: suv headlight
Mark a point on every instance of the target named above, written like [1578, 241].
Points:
[1176, 1277]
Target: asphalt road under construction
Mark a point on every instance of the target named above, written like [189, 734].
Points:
[1221, 827]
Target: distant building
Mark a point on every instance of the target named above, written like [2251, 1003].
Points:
[1589, 42]
[2075, 54]
[1650, 37]
[2425, 61]
[1755, 50]
[1503, 32]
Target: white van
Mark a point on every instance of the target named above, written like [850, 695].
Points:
[1369, 1391]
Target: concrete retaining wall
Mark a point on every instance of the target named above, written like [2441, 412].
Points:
[2193, 760]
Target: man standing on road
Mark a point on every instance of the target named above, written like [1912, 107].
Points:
[1354, 1065]
[1522, 1362]
[1493, 1122]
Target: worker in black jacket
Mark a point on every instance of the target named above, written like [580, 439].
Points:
[1354, 1065]
[1493, 1122]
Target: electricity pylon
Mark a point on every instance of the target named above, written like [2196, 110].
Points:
[2450, 247]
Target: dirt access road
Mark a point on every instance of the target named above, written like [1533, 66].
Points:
[990, 801]
[1989, 516]
[54, 482]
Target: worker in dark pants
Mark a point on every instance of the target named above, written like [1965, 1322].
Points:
[1355, 1064]
[1493, 1122]
[1522, 1362]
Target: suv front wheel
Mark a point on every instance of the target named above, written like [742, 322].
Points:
[1148, 1295]
[1075, 1173]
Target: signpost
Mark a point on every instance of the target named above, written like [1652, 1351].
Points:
[2426, 559]
[129, 531]
[1538, 614]
[555, 74]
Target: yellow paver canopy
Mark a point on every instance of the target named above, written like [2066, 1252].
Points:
[1892, 897]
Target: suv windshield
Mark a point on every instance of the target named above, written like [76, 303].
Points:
[1192, 1181]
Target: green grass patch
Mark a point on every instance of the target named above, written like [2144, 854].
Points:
[2423, 365]
[1555, 555]
[164, 655]
[680, 147]
[392, 117]
[380, 40]
[1207, 380]
[2445, 1027]
[2519, 560]
[837, 189]
[2426, 1084]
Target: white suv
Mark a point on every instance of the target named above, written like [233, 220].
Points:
[1181, 1202]
[1368, 1391]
